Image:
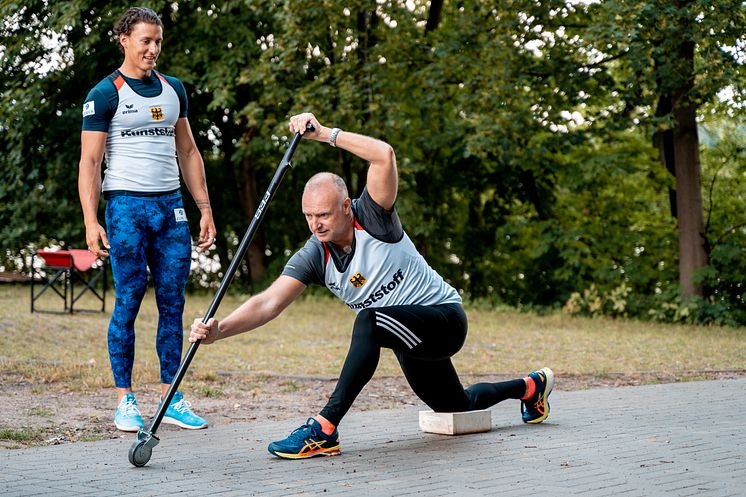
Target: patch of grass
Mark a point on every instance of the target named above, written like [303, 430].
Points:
[211, 376]
[41, 412]
[311, 338]
[290, 386]
[77, 376]
[93, 438]
[93, 435]
[211, 391]
[21, 435]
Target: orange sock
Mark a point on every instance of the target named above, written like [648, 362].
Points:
[326, 425]
[530, 388]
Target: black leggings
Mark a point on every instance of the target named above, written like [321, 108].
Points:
[423, 338]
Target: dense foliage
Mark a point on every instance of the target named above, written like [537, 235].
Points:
[524, 131]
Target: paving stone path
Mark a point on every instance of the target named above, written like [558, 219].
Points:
[685, 439]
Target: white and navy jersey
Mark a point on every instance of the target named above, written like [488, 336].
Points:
[139, 116]
[382, 269]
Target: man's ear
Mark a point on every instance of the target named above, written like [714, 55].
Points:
[347, 205]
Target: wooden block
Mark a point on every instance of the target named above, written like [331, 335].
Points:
[456, 423]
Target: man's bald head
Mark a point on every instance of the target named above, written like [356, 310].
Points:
[326, 180]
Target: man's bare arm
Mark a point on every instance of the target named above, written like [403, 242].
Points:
[92, 146]
[383, 177]
[255, 312]
[193, 170]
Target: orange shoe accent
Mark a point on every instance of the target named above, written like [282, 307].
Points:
[326, 426]
[530, 388]
[312, 448]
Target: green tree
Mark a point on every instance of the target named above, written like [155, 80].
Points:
[674, 56]
[724, 161]
[529, 135]
[47, 50]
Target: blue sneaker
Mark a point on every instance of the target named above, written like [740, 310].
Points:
[127, 417]
[306, 441]
[536, 409]
[179, 413]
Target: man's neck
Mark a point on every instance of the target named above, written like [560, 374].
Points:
[134, 73]
[345, 244]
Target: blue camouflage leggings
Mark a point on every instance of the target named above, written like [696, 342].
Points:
[147, 232]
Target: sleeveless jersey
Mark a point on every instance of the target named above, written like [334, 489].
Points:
[381, 272]
[141, 146]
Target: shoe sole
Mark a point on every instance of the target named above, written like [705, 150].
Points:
[550, 385]
[174, 421]
[333, 451]
[130, 429]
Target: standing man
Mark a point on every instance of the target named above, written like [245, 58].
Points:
[137, 118]
[359, 250]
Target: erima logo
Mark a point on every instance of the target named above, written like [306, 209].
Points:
[333, 286]
[130, 109]
[149, 132]
[156, 113]
[379, 294]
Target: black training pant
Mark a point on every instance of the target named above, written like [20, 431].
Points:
[423, 338]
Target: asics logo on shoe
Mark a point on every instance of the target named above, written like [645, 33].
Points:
[312, 446]
[306, 441]
[536, 409]
[539, 405]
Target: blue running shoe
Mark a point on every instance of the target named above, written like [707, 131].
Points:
[536, 409]
[127, 417]
[180, 413]
[306, 441]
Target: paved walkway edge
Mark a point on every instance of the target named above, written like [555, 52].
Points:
[682, 439]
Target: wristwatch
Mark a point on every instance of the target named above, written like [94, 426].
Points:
[333, 137]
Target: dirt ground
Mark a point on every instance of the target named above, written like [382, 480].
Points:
[38, 415]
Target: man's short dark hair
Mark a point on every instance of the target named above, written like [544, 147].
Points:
[134, 16]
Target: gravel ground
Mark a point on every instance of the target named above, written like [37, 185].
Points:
[42, 415]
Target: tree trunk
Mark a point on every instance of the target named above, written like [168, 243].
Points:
[692, 254]
[663, 141]
[679, 153]
[433, 17]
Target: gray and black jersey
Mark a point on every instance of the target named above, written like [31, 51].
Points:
[383, 268]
